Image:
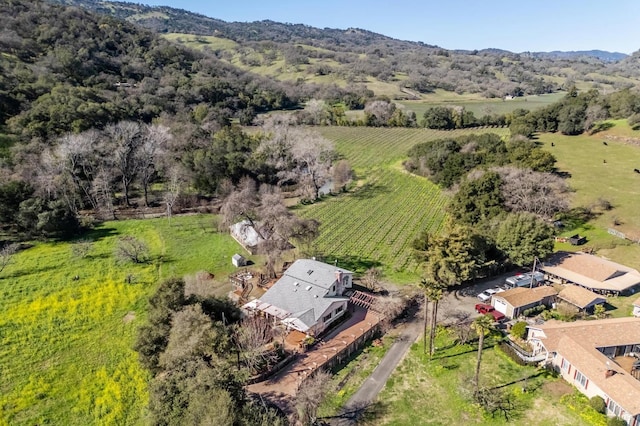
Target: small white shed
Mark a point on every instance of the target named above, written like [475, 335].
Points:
[238, 260]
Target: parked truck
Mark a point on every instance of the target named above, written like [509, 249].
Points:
[533, 279]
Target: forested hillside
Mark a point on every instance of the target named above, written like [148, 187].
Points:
[65, 69]
[302, 53]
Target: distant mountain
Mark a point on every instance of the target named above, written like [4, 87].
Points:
[602, 55]
[329, 57]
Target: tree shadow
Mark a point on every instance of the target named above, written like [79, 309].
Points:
[359, 413]
[601, 127]
[353, 263]
[97, 234]
[524, 379]
[369, 190]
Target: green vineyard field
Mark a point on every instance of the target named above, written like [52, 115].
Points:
[374, 224]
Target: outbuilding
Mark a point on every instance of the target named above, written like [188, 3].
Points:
[582, 299]
[238, 260]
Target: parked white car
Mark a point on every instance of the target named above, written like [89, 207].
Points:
[485, 296]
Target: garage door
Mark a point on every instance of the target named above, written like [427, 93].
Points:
[500, 306]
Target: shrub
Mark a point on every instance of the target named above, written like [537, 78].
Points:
[534, 311]
[519, 330]
[598, 404]
[616, 421]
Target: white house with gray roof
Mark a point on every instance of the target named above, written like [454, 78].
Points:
[308, 297]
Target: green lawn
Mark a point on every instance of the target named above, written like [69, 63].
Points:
[438, 392]
[65, 352]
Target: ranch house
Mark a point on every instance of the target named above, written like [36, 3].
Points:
[591, 272]
[308, 297]
[600, 358]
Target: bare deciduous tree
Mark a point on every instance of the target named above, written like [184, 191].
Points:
[81, 248]
[103, 192]
[342, 174]
[389, 307]
[524, 190]
[132, 249]
[81, 156]
[310, 395]
[253, 336]
[126, 139]
[241, 204]
[172, 191]
[299, 154]
[154, 142]
[6, 255]
[371, 278]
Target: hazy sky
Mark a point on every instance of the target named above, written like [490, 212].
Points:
[516, 25]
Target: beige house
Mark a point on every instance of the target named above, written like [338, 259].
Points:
[591, 272]
[581, 298]
[512, 303]
[597, 357]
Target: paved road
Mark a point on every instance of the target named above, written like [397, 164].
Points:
[372, 386]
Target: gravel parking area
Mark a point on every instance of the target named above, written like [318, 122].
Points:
[463, 300]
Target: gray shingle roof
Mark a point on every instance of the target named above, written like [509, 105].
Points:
[302, 290]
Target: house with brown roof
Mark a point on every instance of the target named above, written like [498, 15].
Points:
[582, 299]
[591, 272]
[600, 358]
[512, 303]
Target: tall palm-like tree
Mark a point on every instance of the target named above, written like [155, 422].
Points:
[435, 296]
[481, 325]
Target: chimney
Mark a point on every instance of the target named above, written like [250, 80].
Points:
[339, 277]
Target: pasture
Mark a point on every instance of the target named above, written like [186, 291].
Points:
[69, 322]
[375, 223]
[597, 171]
[481, 106]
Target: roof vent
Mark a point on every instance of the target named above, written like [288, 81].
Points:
[310, 271]
[315, 295]
[308, 288]
[296, 283]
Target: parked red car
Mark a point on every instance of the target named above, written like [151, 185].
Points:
[488, 309]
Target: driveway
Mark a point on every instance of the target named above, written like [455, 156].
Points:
[372, 386]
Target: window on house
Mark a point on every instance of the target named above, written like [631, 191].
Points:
[327, 317]
[581, 379]
[339, 309]
[613, 408]
[565, 365]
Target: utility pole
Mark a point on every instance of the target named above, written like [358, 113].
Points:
[533, 272]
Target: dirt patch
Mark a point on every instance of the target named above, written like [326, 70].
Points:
[557, 388]
[129, 317]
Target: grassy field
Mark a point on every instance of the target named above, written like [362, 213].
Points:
[348, 379]
[374, 224]
[603, 172]
[65, 352]
[437, 392]
[481, 106]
